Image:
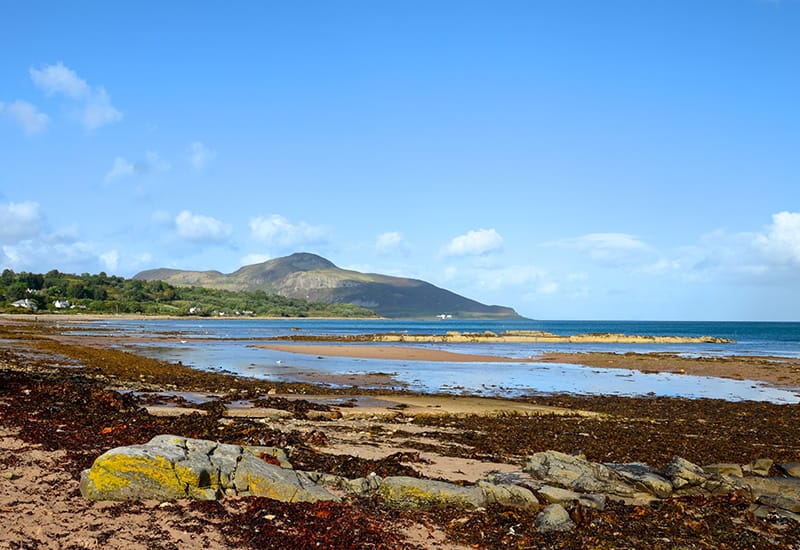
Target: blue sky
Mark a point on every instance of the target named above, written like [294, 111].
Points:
[574, 159]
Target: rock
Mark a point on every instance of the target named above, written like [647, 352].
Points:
[724, 469]
[578, 454]
[274, 455]
[170, 467]
[768, 512]
[255, 477]
[636, 499]
[170, 410]
[408, 492]
[557, 495]
[511, 496]
[643, 478]
[322, 415]
[682, 473]
[554, 518]
[790, 468]
[632, 483]
[758, 467]
[523, 479]
[594, 501]
[362, 485]
[783, 493]
[720, 485]
[575, 473]
[257, 412]
[563, 468]
[567, 498]
[135, 472]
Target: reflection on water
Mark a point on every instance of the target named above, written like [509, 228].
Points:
[486, 379]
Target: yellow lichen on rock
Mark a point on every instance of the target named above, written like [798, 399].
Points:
[406, 492]
[122, 476]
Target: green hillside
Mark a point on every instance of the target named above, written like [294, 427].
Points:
[66, 293]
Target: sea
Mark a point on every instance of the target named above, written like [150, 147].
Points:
[228, 345]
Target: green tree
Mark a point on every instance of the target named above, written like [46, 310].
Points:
[16, 291]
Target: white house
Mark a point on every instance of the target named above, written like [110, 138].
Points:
[27, 303]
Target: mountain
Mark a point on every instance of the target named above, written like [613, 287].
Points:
[314, 278]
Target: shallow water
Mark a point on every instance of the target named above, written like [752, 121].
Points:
[223, 345]
[486, 379]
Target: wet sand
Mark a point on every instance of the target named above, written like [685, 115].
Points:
[777, 371]
[397, 353]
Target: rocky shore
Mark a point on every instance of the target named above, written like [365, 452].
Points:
[392, 471]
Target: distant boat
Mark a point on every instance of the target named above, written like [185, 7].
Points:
[444, 316]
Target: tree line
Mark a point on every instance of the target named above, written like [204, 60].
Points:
[101, 293]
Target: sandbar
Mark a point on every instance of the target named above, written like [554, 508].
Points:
[397, 353]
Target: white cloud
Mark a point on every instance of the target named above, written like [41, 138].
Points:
[510, 276]
[143, 259]
[200, 155]
[120, 169]
[110, 260]
[769, 256]
[251, 259]
[152, 164]
[98, 111]
[548, 288]
[96, 107]
[475, 243]
[662, 265]
[196, 227]
[451, 273]
[26, 115]
[43, 254]
[25, 244]
[521, 280]
[20, 221]
[60, 79]
[277, 230]
[389, 242]
[781, 242]
[606, 247]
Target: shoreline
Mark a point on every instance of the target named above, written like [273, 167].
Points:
[77, 317]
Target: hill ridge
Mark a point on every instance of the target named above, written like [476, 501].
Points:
[312, 277]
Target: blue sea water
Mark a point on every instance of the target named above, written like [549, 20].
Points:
[227, 344]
